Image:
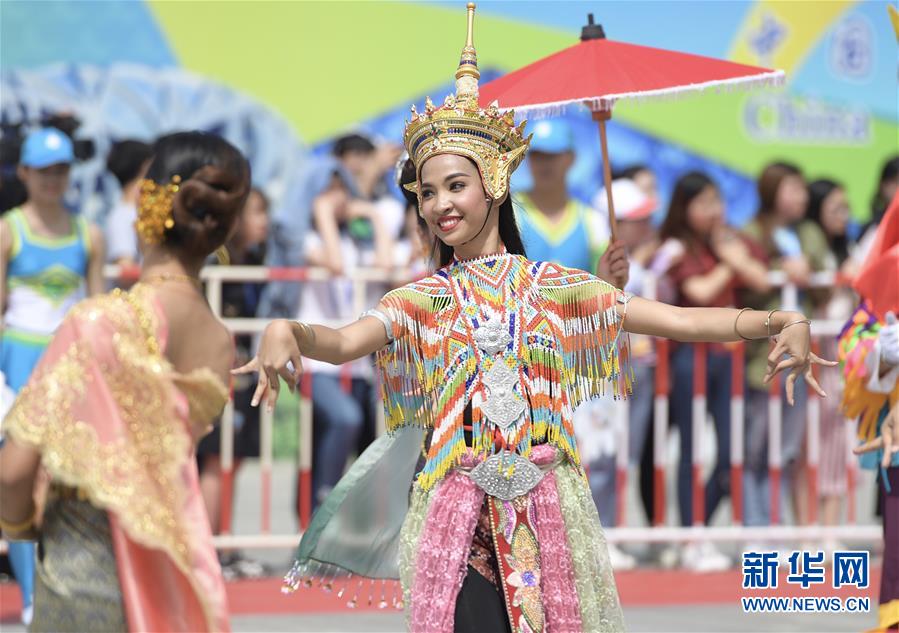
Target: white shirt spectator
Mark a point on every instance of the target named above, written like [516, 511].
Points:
[121, 236]
[333, 300]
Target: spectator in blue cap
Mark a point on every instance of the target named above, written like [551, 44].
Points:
[51, 259]
[554, 226]
[559, 228]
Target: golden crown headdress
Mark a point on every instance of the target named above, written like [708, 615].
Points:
[460, 126]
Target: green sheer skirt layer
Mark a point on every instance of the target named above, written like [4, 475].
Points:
[369, 530]
[352, 545]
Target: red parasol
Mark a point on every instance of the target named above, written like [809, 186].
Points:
[598, 72]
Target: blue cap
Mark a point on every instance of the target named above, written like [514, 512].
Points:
[552, 136]
[46, 146]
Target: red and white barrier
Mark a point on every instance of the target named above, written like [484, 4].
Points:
[813, 446]
[775, 456]
[266, 427]
[737, 418]
[699, 410]
[304, 462]
[226, 460]
[660, 432]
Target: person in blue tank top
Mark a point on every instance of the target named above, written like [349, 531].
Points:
[50, 260]
[556, 227]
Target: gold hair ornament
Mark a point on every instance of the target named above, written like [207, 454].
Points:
[154, 211]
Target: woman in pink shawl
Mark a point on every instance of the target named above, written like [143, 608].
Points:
[113, 412]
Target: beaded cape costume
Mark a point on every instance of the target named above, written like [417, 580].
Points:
[546, 337]
[487, 360]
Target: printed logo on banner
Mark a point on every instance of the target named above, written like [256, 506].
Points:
[780, 118]
[852, 48]
[767, 38]
[805, 568]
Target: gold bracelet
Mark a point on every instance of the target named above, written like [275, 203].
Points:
[797, 321]
[12, 528]
[308, 334]
[768, 321]
[737, 320]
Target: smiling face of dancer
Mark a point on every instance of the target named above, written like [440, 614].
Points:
[456, 207]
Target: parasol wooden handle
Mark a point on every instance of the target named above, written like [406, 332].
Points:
[601, 116]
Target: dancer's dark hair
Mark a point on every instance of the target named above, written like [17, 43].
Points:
[215, 183]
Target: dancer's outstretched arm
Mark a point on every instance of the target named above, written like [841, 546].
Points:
[721, 325]
[285, 342]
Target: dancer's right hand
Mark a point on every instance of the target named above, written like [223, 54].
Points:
[278, 356]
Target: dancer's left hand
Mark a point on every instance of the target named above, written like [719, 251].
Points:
[888, 440]
[279, 356]
[795, 342]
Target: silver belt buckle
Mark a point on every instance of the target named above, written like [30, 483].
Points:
[491, 475]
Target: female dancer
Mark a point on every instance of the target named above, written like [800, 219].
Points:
[490, 355]
[129, 383]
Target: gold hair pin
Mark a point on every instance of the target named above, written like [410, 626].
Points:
[154, 211]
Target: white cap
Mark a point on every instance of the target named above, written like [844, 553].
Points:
[629, 200]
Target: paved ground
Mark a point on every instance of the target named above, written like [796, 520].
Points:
[686, 619]
[639, 620]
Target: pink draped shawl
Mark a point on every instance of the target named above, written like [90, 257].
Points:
[111, 417]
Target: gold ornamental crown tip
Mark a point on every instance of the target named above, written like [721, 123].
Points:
[469, 40]
[467, 74]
